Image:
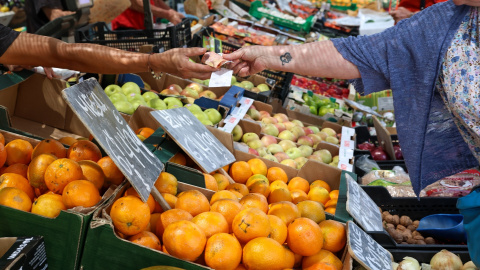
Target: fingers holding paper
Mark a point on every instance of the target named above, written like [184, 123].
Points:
[247, 61]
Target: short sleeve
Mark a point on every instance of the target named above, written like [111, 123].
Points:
[7, 36]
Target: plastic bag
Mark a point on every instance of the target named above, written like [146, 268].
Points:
[107, 10]
[366, 164]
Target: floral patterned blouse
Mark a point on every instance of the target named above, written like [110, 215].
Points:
[459, 80]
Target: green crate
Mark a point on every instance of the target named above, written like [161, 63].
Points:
[341, 213]
[278, 21]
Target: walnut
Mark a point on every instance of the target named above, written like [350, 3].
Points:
[395, 220]
[389, 225]
[418, 237]
[411, 227]
[398, 237]
[415, 223]
[430, 240]
[420, 242]
[405, 221]
[407, 234]
[415, 233]
[385, 214]
[391, 231]
[411, 241]
[388, 218]
[401, 227]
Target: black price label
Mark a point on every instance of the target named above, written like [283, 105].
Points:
[362, 208]
[194, 138]
[96, 111]
[365, 250]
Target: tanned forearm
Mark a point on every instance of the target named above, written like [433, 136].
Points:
[316, 59]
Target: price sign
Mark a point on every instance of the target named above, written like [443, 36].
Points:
[365, 250]
[362, 208]
[194, 138]
[112, 132]
[230, 123]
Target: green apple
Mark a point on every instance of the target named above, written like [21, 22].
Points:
[263, 87]
[206, 82]
[207, 122]
[208, 94]
[193, 108]
[237, 133]
[133, 96]
[247, 85]
[213, 115]
[137, 103]
[173, 106]
[112, 89]
[233, 80]
[196, 86]
[147, 96]
[238, 84]
[124, 107]
[170, 101]
[117, 97]
[157, 104]
[189, 92]
[198, 81]
[201, 116]
[130, 87]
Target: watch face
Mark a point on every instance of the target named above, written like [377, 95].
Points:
[84, 3]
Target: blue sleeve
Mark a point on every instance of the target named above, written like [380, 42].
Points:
[7, 36]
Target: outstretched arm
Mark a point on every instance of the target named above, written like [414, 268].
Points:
[36, 50]
[316, 59]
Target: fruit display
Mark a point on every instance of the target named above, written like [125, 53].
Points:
[247, 85]
[242, 35]
[328, 88]
[262, 221]
[443, 259]
[378, 152]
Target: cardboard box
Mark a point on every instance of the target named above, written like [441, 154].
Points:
[63, 235]
[35, 107]
[104, 249]
[23, 253]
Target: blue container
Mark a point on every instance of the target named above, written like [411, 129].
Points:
[447, 227]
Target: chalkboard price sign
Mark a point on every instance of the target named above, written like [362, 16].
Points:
[194, 138]
[96, 111]
[362, 208]
[365, 250]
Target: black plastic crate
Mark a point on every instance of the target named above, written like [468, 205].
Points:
[132, 40]
[384, 165]
[424, 256]
[416, 209]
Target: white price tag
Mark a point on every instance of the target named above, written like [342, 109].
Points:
[345, 153]
[344, 164]
[230, 123]
[221, 78]
[349, 144]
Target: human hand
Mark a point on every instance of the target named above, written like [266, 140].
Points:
[176, 62]
[247, 60]
[175, 17]
[400, 14]
[53, 13]
[48, 70]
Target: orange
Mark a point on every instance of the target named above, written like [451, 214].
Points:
[223, 194]
[84, 150]
[170, 216]
[334, 235]
[36, 170]
[50, 146]
[2, 139]
[150, 200]
[223, 252]
[113, 175]
[238, 194]
[145, 132]
[17, 181]
[331, 203]
[286, 211]
[146, 239]
[171, 200]
[298, 196]
[92, 172]
[304, 237]
[61, 172]
[80, 193]
[312, 210]
[130, 215]
[279, 195]
[3, 155]
[48, 205]
[228, 208]
[211, 223]
[334, 194]
[265, 253]
[179, 158]
[319, 194]
[222, 181]
[193, 201]
[289, 256]
[322, 256]
[241, 267]
[254, 200]
[276, 173]
[257, 166]
[67, 140]
[258, 183]
[250, 223]
[210, 182]
[241, 188]
[298, 261]
[321, 266]
[166, 183]
[17, 168]
[240, 171]
[2, 169]
[18, 151]
[331, 210]
[299, 183]
[278, 229]
[320, 183]
[277, 184]
[154, 218]
[184, 240]
[15, 198]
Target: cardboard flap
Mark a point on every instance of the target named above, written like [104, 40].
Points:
[260, 106]
[5, 244]
[313, 170]
[225, 138]
[249, 126]
[142, 118]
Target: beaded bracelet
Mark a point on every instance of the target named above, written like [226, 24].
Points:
[155, 75]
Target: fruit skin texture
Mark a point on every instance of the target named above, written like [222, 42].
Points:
[15, 198]
[48, 205]
[250, 223]
[193, 201]
[84, 150]
[49, 146]
[130, 215]
[18, 151]
[80, 193]
[61, 172]
[223, 252]
[113, 175]
[265, 253]
[146, 239]
[36, 170]
[304, 237]
[170, 216]
[334, 235]
[322, 256]
[211, 223]
[17, 181]
[184, 240]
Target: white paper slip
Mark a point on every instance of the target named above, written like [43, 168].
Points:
[221, 78]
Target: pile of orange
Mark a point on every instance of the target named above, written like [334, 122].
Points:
[262, 221]
[50, 177]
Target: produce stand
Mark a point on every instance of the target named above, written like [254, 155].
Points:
[283, 145]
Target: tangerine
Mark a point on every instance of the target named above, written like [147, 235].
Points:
[223, 194]
[15, 198]
[17, 181]
[312, 210]
[18, 151]
[250, 223]
[170, 216]
[258, 183]
[298, 196]
[334, 235]
[37, 168]
[67, 140]
[319, 194]
[184, 240]
[50, 146]
[334, 194]
[150, 200]
[179, 158]
[2, 139]
[265, 253]
[193, 201]
[92, 172]
[145, 132]
[299, 183]
[210, 182]
[240, 171]
[321, 266]
[113, 175]
[277, 173]
[84, 150]
[228, 208]
[304, 237]
[320, 183]
[279, 195]
[254, 200]
[18, 168]
[130, 215]
[61, 172]
[166, 183]
[222, 181]
[322, 256]
[48, 205]
[3, 155]
[223, 252]
[286, 211]
[279, 229]
[146, 239]
[258, 166]
[80, 193]
[241, 188]
[211, 223]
